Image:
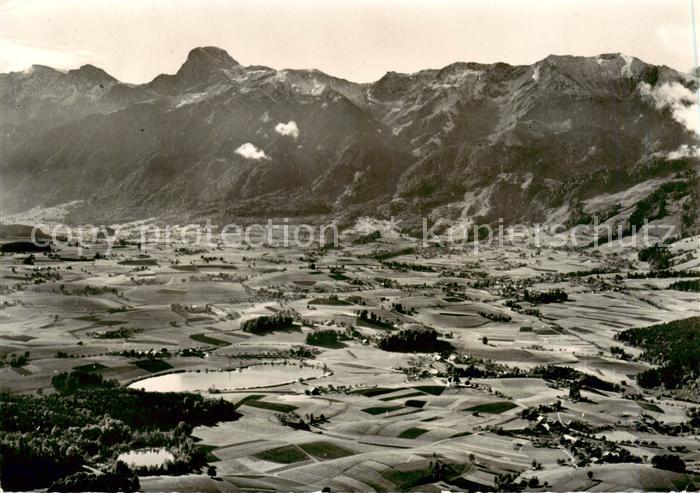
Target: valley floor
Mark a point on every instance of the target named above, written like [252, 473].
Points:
[363, 419]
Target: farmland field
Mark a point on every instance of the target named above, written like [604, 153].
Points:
[516, 390]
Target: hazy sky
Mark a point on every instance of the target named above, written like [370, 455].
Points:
[137, 40]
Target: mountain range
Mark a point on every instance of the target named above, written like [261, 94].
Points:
[566, 137]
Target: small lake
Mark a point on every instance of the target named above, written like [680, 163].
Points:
[243, 378]
[146, 457]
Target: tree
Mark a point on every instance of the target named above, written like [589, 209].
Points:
[590, 475]
[575, 390]
[668, 462]
[267, 324]
[324, 338]
[414, 339]
[484, 340]
[124, 478]
[211, 471]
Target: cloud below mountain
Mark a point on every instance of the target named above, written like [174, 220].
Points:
[685, 151]
[249, 151]
[290, 129]
[680, 100]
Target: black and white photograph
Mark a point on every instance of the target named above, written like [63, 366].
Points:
[362, 246]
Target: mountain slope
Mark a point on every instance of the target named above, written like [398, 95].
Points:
[469, 142]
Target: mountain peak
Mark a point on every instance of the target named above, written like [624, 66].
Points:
[211, 56]
[92, 74]
[38, 68]
[205, 65]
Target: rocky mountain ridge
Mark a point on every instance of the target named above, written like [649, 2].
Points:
[469, 142]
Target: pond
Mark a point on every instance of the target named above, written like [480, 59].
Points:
[146, 457]
[242, 378]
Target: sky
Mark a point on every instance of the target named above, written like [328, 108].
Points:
[135, 40]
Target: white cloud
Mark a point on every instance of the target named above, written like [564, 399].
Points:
[290, 129]
[680, 100]
[249, 151]
[685, 151]
[16, 55]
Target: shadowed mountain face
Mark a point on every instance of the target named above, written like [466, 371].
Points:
[470, 141]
